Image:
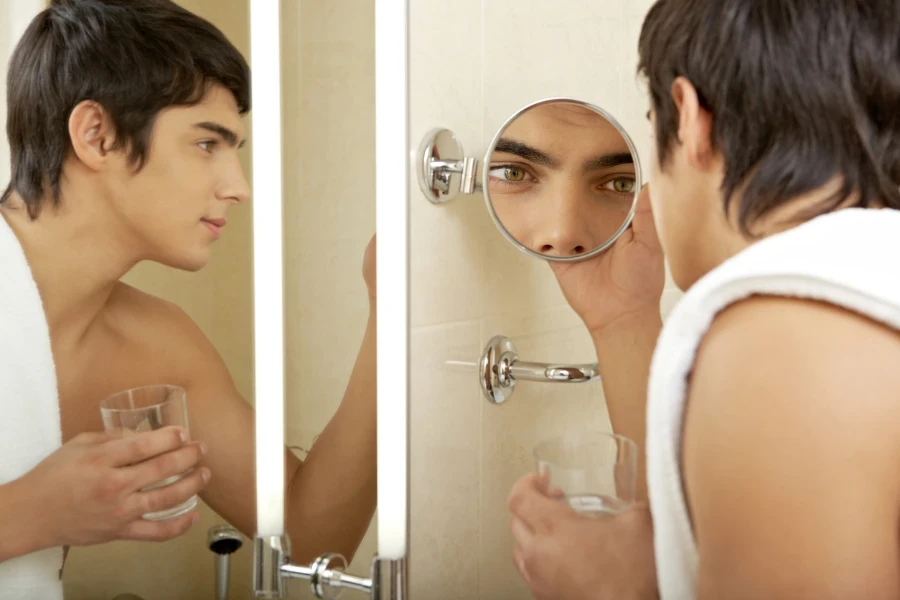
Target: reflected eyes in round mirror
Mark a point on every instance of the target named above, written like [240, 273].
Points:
[561, 180]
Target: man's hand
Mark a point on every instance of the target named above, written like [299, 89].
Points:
[89, 491]
[617, 296]
[627, 279]
[566, 556]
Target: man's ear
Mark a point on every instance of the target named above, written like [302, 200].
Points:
[695, 124]
[92, 134]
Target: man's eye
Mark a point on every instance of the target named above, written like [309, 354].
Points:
[623, 185]
[509, 173]
[207, 145]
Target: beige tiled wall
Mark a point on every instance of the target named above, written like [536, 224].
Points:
[468, 284]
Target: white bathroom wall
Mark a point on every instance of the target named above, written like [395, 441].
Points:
[473, 63]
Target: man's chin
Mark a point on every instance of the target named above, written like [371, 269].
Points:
[187, 262]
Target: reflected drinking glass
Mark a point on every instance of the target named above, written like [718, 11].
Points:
[595, 471]
[146, 409]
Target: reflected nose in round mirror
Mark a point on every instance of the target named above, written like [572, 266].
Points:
[561, 179]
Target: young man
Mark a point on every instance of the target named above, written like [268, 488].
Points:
[773, 418]
[124, 123]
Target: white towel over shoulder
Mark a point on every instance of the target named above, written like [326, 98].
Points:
[847, 258]
[29, 421]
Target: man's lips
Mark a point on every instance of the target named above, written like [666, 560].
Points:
[215, 225]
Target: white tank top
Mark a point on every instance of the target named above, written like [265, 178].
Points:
[848, 258]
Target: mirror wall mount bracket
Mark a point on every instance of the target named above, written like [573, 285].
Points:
[272, 567]
[443, 170]
[500, 368]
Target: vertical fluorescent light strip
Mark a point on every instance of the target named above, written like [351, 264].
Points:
[268, 294]
[391, 223]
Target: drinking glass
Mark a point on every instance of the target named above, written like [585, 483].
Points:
[595, 471]
[146, 409]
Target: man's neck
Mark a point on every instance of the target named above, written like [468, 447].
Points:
[77, 256]
[723, 239]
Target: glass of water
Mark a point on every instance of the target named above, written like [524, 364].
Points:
[595, 471]
[146, 409]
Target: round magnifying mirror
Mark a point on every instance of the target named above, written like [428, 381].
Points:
[561, 179]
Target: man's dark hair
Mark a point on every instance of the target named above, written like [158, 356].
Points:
[133, 57]
[800, 92]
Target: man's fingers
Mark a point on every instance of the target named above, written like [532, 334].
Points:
[521, 532]
[168, 496]
[92, 437]
[540, 482]
[519, 561]
[160, 531]
[556, 494]
[528, 502]
[129, 449]
[520, 490]
[167, 465]
[528, 483]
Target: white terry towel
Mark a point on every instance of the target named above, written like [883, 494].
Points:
[845, 258]
[30, 428]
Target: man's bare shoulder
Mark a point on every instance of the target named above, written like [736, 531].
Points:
[790, 449]
[758, 317]
[161, 327]
[795, 362]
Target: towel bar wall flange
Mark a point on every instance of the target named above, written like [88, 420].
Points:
[500, 368]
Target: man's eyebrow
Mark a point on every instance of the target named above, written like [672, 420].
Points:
[525, 151]
[607, 161]
[230, 137]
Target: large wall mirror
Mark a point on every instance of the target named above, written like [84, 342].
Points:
[328, 133]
